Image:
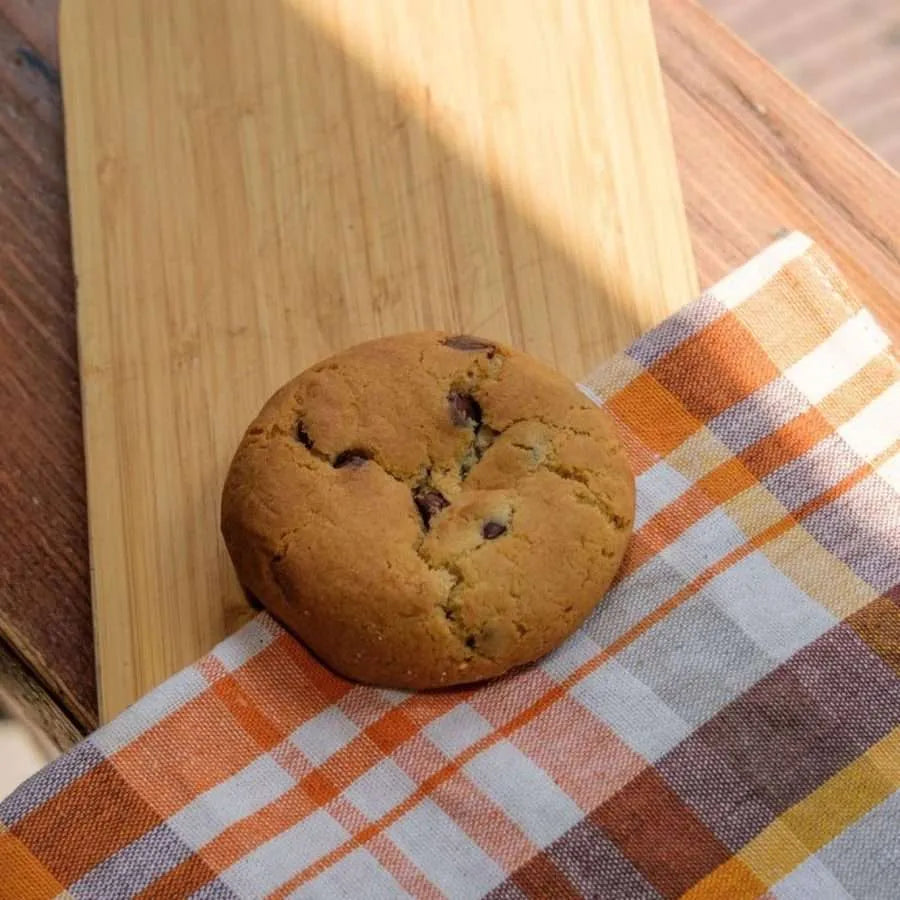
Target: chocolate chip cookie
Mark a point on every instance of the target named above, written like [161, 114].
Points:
[428, 509]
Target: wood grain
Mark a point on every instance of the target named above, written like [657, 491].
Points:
[754, 156]
[44, 601]
[256, 186]
[844, 53]
[22, 695]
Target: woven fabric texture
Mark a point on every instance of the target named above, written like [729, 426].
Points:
[726, 724]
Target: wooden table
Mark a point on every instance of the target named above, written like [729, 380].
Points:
[755, 156]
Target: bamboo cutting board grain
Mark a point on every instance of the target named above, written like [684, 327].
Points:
[255, 185]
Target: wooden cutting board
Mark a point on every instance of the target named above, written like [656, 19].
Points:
[255, 185]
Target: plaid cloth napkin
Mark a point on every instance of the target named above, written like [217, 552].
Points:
[727, 724]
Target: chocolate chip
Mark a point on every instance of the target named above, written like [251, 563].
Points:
[464, 409]
[430, 503]
[303, 436]
[352, 458]
[470, 641]
[467, 342]
[491, 530]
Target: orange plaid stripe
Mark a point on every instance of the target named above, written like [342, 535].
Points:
[24, 875]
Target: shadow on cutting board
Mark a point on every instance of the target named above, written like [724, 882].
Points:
[261, 185]
[409, 220]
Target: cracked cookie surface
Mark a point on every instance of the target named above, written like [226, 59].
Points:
[428, 509]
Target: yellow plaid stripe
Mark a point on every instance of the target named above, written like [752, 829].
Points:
[808, 825]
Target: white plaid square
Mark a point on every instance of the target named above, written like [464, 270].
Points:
[568, 657]
[380, 789]
[875, 427]
[769, 608]
[889, 471]
[525, 792]
[274, 862]
[455, 864]
[324, 734]
[635, 597]
[656, 489]
[243, 646]
[812, 878]
[457, 730]
[703, 544]
[631, 709]
[243, 794]
[838, 358]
